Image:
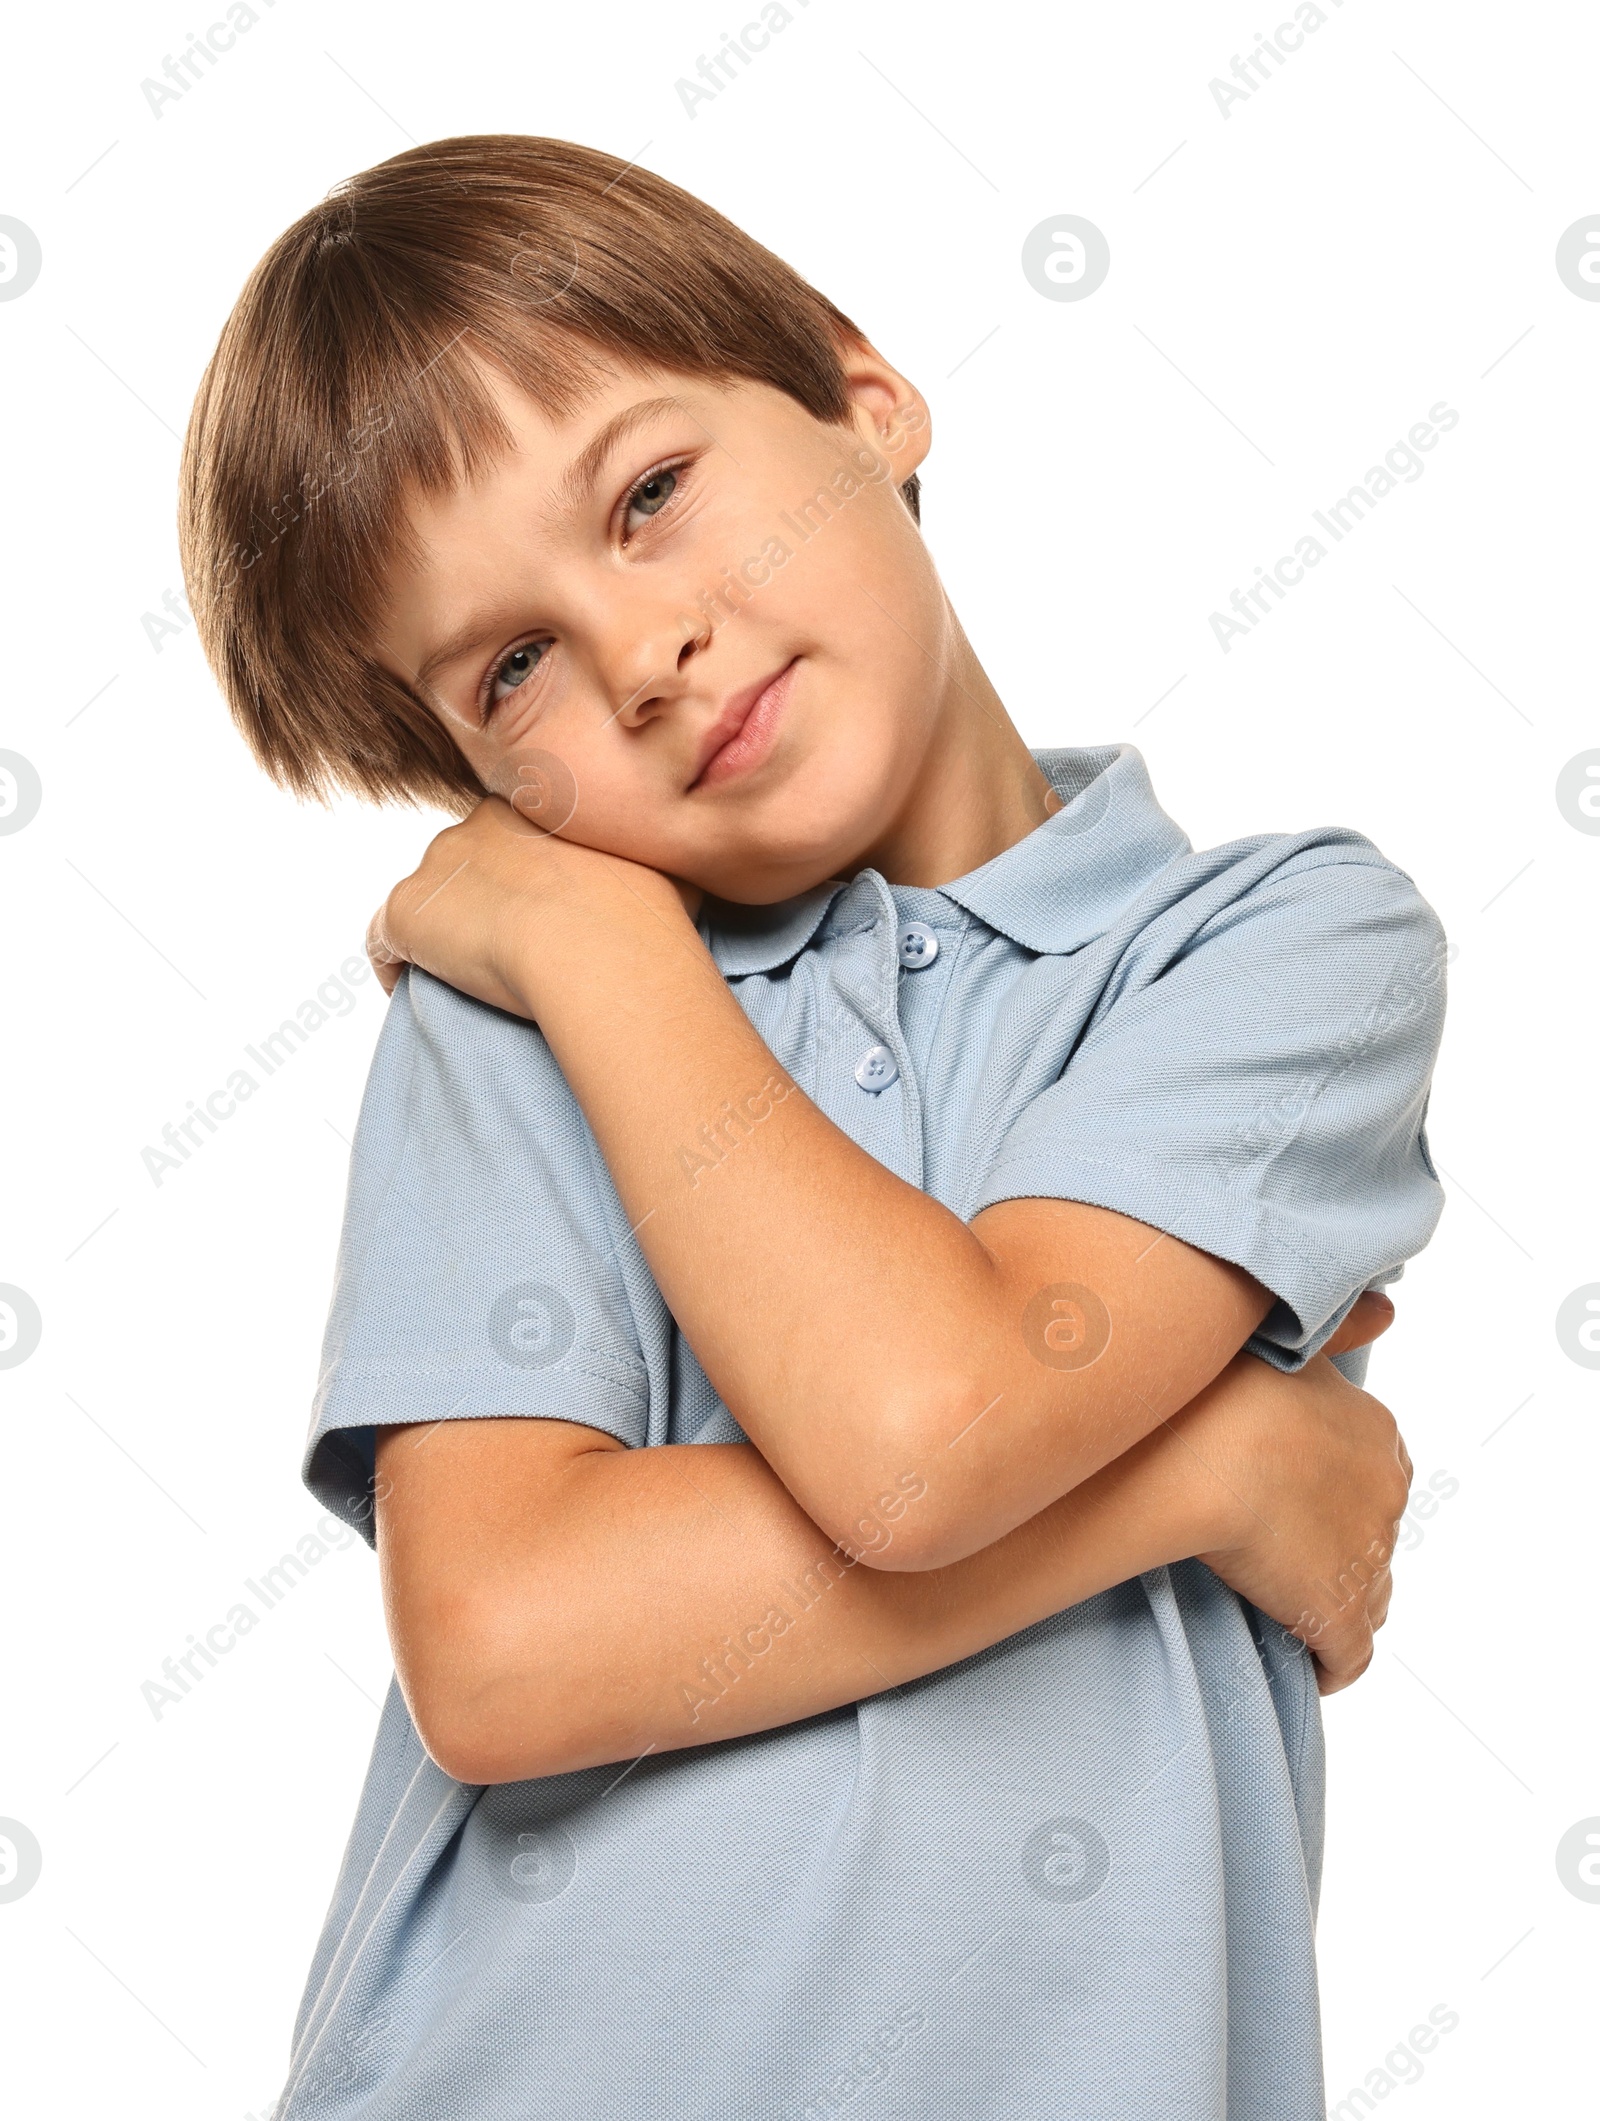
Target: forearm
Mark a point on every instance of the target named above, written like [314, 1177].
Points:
[761, 1219]
[674, 1596]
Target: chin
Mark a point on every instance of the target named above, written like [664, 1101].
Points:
[831, 809]
[765, 878]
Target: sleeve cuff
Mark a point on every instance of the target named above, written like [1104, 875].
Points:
[339, 1460]
[1313, 1287]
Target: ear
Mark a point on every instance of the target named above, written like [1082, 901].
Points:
[887, 411]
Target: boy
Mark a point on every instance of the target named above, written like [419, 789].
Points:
[908, 1194]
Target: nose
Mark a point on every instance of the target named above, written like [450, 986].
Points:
[645, 675]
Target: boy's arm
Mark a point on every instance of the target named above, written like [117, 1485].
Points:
[556, 1601]
[855, 1328]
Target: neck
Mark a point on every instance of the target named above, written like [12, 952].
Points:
[977, 792]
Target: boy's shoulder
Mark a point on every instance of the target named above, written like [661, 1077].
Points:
[446, 1064]
[1274, 938]
[1112, 867]
[428, 1013]
[1312, 890]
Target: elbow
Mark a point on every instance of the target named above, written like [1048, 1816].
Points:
[911, 1522]
[916, 1545]
[443, 1703]
[473, 1739]
[484, 1719]
[449, 1744]
[958, 1488]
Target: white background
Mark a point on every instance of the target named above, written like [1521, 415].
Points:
[1371, 232]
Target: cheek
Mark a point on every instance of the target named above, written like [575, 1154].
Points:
[873, 557]
[889, 626]
[550, 725]
[612, 798]
[748, 559]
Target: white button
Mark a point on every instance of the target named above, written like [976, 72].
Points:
[919, 946]
[877, 1068]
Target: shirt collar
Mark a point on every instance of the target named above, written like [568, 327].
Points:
[761, 938]
[1069, 879]
[1052, 892]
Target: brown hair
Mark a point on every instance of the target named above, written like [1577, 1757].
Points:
[548, 257]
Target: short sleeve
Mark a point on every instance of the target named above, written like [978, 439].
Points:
[483, 1263]
[1258, 1087]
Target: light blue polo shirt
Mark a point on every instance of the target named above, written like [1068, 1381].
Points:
[1074, 1876]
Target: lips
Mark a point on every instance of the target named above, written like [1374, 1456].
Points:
[742, 732]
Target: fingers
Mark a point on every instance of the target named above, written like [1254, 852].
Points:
[385, 961]
[1343, 1651]
[1344, 1646]
[1371, 1314]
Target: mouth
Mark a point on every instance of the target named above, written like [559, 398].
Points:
[742, 734]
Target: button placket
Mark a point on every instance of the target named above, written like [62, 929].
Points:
[867, 976]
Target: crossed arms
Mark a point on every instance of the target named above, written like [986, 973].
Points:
[556, 1600]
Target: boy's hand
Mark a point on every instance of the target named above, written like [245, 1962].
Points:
[475, 908]
[1319, 1477]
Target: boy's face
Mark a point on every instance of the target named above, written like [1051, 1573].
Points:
[690, 623]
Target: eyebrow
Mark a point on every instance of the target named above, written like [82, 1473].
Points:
[571, 490]
[576, 483]
[481, 626]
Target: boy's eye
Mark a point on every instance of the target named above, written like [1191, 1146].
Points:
[651, 495]
[517, 668]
